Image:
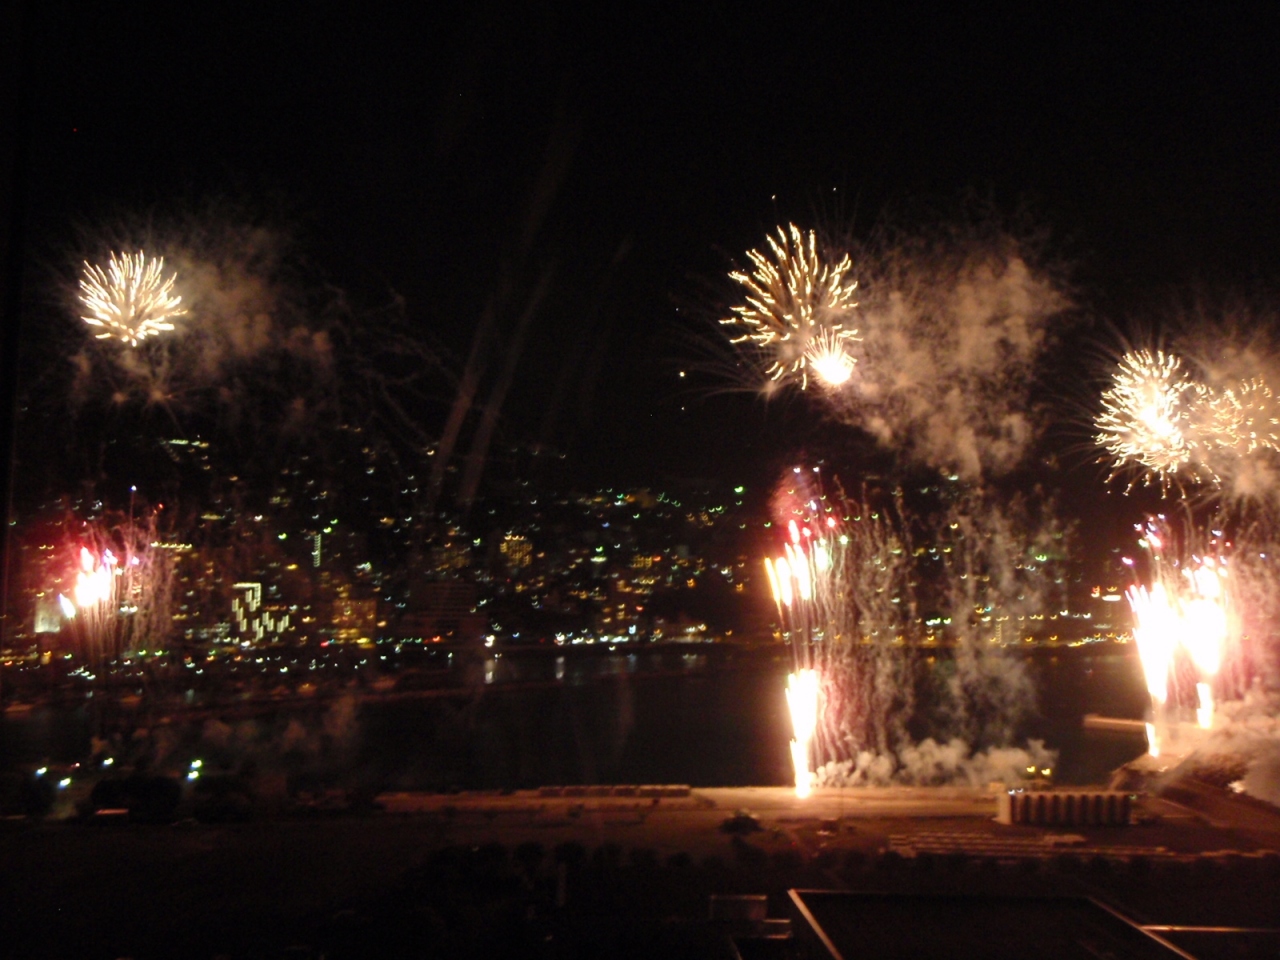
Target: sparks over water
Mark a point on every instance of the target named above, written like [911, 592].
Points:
[796, 308]
[130, 299]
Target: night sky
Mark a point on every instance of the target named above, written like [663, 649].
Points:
[439, 152]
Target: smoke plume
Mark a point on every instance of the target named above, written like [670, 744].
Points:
[950, 330]
[931, 763]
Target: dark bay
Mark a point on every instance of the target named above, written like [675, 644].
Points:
[707, 715]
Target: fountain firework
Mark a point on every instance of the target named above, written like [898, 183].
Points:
[793, 577]
[1183, 622]
[829, 555]
[850, 585]
[802, 701]
[121, 594]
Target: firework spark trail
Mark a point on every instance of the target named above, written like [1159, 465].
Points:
[1205, 614]
[799, 578]
[130, 300]
[796, 310]
[789, 579]
[1206, 628]
[1155, 632]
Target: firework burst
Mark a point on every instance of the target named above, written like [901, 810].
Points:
[827, 357]
[795, 310]
[1160, 422]
[1243, 419]
[1145, 415]
[130, 299]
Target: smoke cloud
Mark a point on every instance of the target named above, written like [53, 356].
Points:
[1247, 731]
[930, 763]
[326, 744]
[951, 328]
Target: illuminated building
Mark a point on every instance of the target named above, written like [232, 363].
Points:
[516, 551]
[453, 555]
[49, 615]
[254, 623]
[355, 620]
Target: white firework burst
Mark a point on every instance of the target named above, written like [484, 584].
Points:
[796, 310]
[1145, 415]
[829, 359]
[130, 299]
[1243, 419]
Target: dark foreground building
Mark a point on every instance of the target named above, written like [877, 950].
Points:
[838, 925]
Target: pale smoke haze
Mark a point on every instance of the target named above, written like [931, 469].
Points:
[950, 335]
